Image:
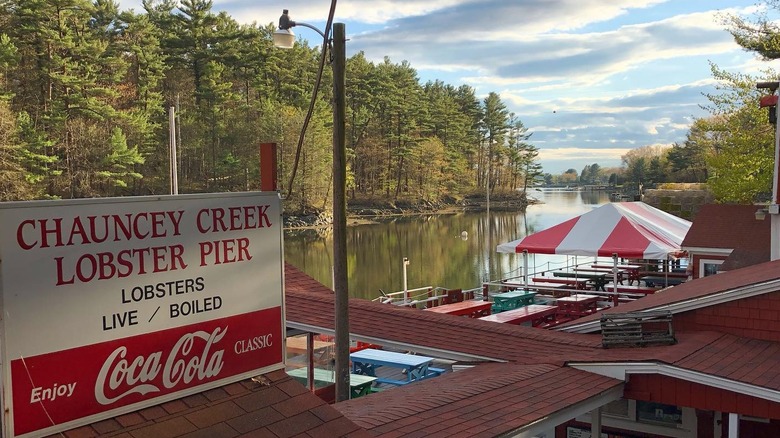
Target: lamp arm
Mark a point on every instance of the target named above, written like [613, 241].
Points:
[298, 23]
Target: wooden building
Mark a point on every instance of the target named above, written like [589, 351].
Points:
[725, 237]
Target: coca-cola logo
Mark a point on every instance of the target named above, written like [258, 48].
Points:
[121, 375]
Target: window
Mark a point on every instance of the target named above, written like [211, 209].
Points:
[618, 408]
[658, 413]
[643, 417]
[709, 267]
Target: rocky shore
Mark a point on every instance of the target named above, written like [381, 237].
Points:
[362, 212]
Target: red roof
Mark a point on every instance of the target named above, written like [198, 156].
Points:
[530, 346]
[693, 290]
[533, 384]
[485, 401]
[273, 405]
[727, 226]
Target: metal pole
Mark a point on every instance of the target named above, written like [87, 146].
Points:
[525, 269]
[174, 153]
[340, 213]
[615, 279]
[774, 217]
[406, 284]
[171, 149]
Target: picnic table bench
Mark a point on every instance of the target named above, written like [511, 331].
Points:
[512, 300]
[535, 315]
[607, 272]
[578, 305]
[663, 280]
[359, 385]
[663, 274]
[598, 279]
[632, 289]
[470, 308]
[631, 270]
[575, 283]
[415, 367]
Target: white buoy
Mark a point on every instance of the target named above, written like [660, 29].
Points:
[464, 235]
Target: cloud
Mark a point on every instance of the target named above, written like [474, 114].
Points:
[539, 51]
[588, 78]
[595, 155]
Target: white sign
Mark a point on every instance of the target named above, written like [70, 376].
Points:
[110, 305]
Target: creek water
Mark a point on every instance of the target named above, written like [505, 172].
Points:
[439, 252]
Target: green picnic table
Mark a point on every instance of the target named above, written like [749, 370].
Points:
[359, 385]
[512, 300]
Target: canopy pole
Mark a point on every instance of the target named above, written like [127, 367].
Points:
[667, 269]
[525, 269]
[615, 278]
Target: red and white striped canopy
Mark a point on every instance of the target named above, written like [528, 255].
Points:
[628, 229]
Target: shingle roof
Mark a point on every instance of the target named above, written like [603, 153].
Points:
[744, 360]
[425, 331]
[499, 397]
[530, 346]
[729, 226]
[743, 257]
[274, 406]
[485, 401]
[695, 289]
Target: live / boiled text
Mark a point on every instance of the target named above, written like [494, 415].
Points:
[193, 307]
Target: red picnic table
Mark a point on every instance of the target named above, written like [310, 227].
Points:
[576, 283]
[470, 308]
[663, 274]
[578, 305]
[632, 289]
[536, 314]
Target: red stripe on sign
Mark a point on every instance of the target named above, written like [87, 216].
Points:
[63, 386]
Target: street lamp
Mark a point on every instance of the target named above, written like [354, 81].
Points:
[284, 37]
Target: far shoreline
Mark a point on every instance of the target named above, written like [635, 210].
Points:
[361, 215]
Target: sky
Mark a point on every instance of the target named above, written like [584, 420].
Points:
[590, 79]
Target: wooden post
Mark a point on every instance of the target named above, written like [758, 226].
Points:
[340, 277]
[310, 359]
[268, 170]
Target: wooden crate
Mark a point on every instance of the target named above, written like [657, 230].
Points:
[637, 329]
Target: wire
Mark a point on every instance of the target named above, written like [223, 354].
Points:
[325, 46]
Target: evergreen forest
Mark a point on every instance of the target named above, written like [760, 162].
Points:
[87, 94]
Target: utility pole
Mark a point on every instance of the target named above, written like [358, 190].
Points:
[340, 279]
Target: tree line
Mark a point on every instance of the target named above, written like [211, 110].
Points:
[86, 92]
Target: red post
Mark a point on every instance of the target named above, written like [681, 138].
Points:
[268, 173]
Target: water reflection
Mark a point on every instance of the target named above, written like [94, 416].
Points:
[434, 245]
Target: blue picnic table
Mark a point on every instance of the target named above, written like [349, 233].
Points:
[417, 367]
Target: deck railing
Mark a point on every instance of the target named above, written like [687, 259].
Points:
[428, 296]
